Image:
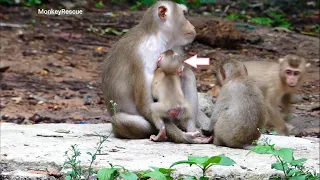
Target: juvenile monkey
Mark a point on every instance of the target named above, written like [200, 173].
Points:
[278, 82]
[239, 110]
[129, 69]
[166, 88]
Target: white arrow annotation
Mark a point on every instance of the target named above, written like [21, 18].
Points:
[195, 61]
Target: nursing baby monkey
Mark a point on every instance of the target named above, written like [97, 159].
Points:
[278, 82]
[171, 108]
[129, 69]
[240, 110]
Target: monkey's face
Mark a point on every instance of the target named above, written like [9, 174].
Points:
[292, 69]
[292, 76]
[178, 30]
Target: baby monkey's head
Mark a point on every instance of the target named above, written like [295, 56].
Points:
[170, 62]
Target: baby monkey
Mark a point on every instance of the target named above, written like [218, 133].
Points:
[166, 89]
[240, 110]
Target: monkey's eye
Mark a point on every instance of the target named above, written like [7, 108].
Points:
[296, 73]
[288, 72]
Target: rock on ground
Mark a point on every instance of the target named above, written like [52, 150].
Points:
[41, 147]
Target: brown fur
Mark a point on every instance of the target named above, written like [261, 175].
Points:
[239, 111]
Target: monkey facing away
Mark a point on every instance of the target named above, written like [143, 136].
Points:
[129, 69]
[171, 105]
[278, 82]
[240, 110]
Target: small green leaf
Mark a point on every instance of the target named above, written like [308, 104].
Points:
[293, 172]
[263, 149]
[162, 170]
[129, 176]
[168, 177]
[135, 7]
[298, 162]
[213, 160]
[155, 175]
[226, 161]
[141, 173]
[107, 173]
[198, 159]
[68, 177]
[99, 5]
[278, 166]
[89, 153]
[299, 177]
[285, 153]
[182, 162]
[148, 2]
[113, 31]
[204, 178]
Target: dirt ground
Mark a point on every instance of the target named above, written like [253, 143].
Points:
[54, 74]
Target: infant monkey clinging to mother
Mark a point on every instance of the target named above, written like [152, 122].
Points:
[172, 111]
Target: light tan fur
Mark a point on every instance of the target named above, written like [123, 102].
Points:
[166, 88]
[272, 79]
[240, 110]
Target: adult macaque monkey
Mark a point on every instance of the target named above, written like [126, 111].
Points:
[130, 65]
[278, 82]
[240, 110]
[171, 109]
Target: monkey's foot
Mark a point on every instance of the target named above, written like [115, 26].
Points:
[162, 136]
[198, 138]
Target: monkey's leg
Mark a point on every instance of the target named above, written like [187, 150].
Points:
[161, 136]
[131, 126]
[178, 136]
[276, 120]
[158, 113]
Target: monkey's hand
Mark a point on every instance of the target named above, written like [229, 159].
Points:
[197, 138]
[162, 136]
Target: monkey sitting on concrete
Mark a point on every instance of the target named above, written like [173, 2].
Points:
[240, 110]
[171, 105]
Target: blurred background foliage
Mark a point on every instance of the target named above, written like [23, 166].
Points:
[297, 15]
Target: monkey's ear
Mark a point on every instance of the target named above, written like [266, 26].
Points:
[223, 73]
[162, 12]
[308, 65]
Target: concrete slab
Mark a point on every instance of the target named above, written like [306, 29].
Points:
[23, 149]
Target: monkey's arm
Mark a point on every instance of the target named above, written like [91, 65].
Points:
[275, 116]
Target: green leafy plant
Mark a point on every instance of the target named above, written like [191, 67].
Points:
[292, 168]
[98, 4]
[316, 28]
[115, 171]
[280, 20]
[24, 2]
[72, 157]
[72, 160]
[262, 21]
[205, 162]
